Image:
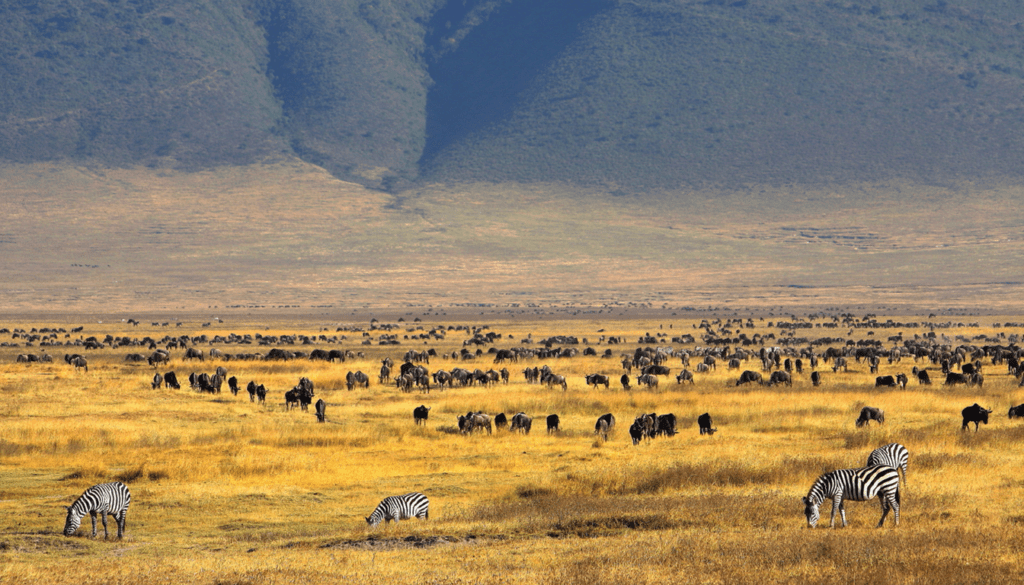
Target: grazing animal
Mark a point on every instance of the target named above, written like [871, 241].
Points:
[411, 505]
[839, 362]
[649, 380]
[953, 378]
[420, 414]
[704, 422]
[749, 376]
[171, 380]
[893, 455]
[78, 361]
[521, 422]
[233, 385]
[321, 410]
[473, 421]
[105, 498]
[637, 431]
[500, 421]
[1017, 411]
[261, 394]
[858, 485]
[595, 379]
[780, 377]
[870, 413]
[974, 414]
[158, 381]
[923, 377]
[605, 423]
[624, 380]
[251, 389]
[193, 354]
[666, 425]
[553, 423]
[684, 376]
[816, 378]
[885, 381]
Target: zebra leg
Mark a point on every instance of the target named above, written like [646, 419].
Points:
[105, 533]
[93, 514]
[842, 512]
[122, 520]
[837, 504]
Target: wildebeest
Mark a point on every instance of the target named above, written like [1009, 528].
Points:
[358, 378]
[684, 376]
[158, 380]
[666, 425]
[656, 370]
[171, 380]
[158, 357]
[637, 431]
[815, 378]
[553, 423]
[193, 354]
[780, 377]
[521, 422]
[605, 423]
[704, 422]
[870, 413]
[595, 379]
[974, 414]
[420, 414]
[922, 376]
[1017, 411]
[251, 389]
[838, 362]
[321, 410]
[649, 380]
[78, 361]
[261, 394]
[749, 376]
[233, 385]
[500, 421]
[953, 378]
[473, 421]
[624, 380]
[892, 381]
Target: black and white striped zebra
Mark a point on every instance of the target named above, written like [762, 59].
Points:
[858, 485]
[893, 455]
[411, 505]
[105, 498]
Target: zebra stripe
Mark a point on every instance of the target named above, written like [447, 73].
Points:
[411, 505]
[893, 455]
[858, 485]
[105, 498]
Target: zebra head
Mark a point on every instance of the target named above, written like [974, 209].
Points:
[74, 520]
[812, 511]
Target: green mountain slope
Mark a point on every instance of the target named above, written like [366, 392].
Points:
[628, 94]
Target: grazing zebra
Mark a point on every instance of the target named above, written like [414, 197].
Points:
[411, 505]
[893, 455]
[858, 485]
[105, 498]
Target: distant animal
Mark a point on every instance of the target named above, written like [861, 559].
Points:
[473, 421]
[922, 376]
[684, 376]
[780, 377]
[857, 485]
[649, 380]
[838, 362]
[870, 413]
[158, 380]
[171, 380]
[105, 498]
[78, 361]
[624, 380]
[1017, 411]
[420, 414]
[816, 378]
[953, 378]
[261, 394]
[358, 378]
[605, 423]
[233, 385]
[596, 379]
[553, 423]
[974, 414]
[885, 381]
[749, 376]
[193, 354]
[251, 389]
[666, 425]
[893, 455]
[500, 421]
[521, 422]
[704, 422]
[321, 410]
[411, 505]
[637, 432]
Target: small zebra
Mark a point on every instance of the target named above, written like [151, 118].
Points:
[893, 455]
[858, 485]
[411, 505]
[105, 498]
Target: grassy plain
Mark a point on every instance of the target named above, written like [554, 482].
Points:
[226, 491]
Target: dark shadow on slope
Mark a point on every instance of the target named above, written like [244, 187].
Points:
[480, 73]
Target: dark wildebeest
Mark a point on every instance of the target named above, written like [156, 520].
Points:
[749, 376]
[975, 379]
[666, 425]
[553, 423]
[78, 361]
[500, 421]
[251, 389]
[1017, 411]
[656, 370]
[521, 422]
[158, 357]
[158, 380]
[922, 376]
[637, 431]
[954, 378]
[684, 376]
[869, 413]
[171, 380]
[193, 354]
[816, 378]
[890, 381]
[838, 362]
[473, 421]
[595, 379]
[974, 414]
[624, 380]
[780, 377]
[261, 394]
[291, 399]
[649, 380]
[704, 422]
[233, 385]
[358, 378]
[321, 410]
[605, 423]
[420, 414]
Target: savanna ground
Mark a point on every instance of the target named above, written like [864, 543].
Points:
[227, 491]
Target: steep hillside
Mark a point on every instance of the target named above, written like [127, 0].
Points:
[626, 94]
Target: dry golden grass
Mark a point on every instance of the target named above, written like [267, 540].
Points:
[226, 491]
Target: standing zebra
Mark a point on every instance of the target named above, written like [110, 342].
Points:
[858, 485]
[105, 498]
[411, 505]
[893, 455]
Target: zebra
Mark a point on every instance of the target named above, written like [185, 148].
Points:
[893, 455]
[411, 505]
[858, 485]
[105, 498]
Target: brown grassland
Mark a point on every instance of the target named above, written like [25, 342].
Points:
[226, 491]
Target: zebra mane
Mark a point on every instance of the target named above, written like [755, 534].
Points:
[816, 495]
